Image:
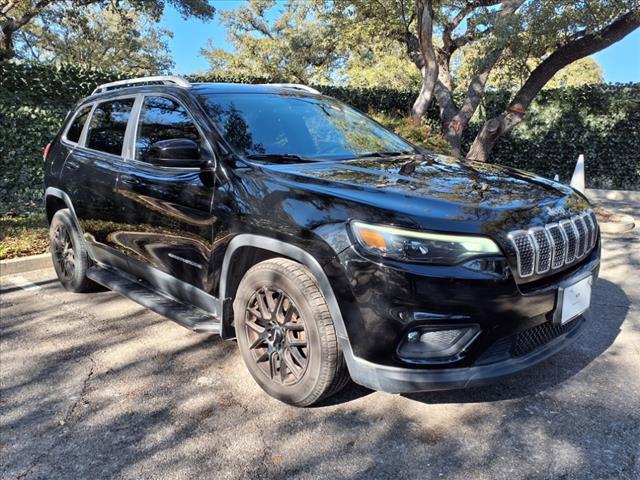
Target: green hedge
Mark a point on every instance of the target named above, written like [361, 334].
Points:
[34, 100]
[601, 121]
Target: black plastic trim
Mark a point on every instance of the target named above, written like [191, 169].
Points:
[188, 316]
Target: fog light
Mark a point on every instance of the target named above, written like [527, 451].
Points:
[437, 343]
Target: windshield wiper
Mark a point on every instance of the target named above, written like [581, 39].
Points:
[383, 154]
[278, 157]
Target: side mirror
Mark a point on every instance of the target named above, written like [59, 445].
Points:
[175, 152]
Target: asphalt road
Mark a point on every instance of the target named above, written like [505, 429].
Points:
[94, 386]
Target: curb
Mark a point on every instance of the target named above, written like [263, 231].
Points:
[630, 196]
[625, 225]
[25, 264]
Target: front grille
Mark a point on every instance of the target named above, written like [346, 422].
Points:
[555, 245]
[533, 338]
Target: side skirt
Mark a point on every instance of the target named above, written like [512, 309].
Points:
[188, 316]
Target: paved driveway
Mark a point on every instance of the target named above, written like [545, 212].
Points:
[93, 386]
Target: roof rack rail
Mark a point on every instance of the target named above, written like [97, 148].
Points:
[163, 79]
[293, 86]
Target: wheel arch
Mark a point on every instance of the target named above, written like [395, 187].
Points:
[56, 199]
[276, 248]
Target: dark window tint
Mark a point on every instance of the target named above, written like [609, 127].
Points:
[75, 129]
[108, 124]
[162, 119]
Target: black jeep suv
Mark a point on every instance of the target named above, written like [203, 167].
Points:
[326, 245]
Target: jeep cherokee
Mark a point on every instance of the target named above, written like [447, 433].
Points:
[327, 246]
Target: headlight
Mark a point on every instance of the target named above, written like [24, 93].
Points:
[413, 246]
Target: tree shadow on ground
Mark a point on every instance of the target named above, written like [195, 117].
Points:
[133, 395]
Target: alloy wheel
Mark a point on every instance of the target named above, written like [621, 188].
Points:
[63, 252]
[276, 335]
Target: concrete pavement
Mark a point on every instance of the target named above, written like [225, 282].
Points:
[94, 386]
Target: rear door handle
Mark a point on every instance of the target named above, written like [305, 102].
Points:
[130, 180]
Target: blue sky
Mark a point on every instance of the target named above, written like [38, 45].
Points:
[620, 62]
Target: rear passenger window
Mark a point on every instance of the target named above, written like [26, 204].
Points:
[75, 129]
[162, 119]
[108, 124]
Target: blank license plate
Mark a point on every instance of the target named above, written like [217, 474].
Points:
[576, 299]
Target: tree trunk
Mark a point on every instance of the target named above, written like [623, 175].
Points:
[453, 134]
[486, 139]
[429, 71]
[6, 44]
[423, 101]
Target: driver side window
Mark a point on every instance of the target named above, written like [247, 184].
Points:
[162, 119]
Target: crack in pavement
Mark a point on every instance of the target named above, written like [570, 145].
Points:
[66, 420]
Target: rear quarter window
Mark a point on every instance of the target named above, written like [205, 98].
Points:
[77, 124]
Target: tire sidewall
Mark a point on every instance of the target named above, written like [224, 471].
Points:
[293, 394]
[78, 281]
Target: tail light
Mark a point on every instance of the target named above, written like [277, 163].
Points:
[45, 154]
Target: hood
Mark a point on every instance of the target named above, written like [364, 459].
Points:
[440, 188]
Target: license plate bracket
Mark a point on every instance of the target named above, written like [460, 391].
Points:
[573, 300]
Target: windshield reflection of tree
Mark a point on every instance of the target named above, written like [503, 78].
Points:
[234, 127]
[353, 135]
[297, 125]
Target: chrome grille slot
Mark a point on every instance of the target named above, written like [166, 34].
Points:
[541, 249]
[559, 243]
[594, 222]
[525, 252]
[591, 227]
[544, 248]
[571, 236]
[581, 228]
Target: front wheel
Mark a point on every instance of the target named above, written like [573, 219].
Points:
[286, 335]
[69, 254]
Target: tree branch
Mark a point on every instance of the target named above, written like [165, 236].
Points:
[454, 121]
[450, 44]
[572, 51]
[6, 7]
[568, 53]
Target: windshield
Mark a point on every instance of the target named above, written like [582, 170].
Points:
[270, 125]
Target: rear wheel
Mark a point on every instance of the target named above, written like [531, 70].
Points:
[286, 335]
[69, 254]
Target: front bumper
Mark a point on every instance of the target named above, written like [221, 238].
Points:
[528, 318]
[403, 380]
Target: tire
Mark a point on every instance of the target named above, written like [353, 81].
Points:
[293, 355]
[69, 253]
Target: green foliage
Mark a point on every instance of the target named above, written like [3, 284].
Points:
[379, 63]
[24, 21]
[122, 37]
[34, 100]
[296, 45]
[510, 73]
[308, 41]
[425, 134]
[600, 121]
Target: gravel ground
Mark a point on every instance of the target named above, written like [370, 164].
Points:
[94, 386]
